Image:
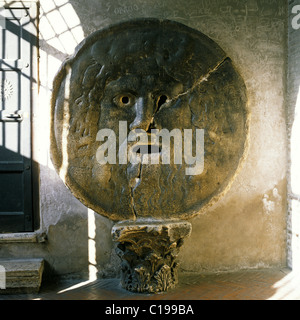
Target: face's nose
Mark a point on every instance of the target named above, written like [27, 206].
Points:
[144, 109]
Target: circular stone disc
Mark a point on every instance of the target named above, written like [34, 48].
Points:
[131, 79]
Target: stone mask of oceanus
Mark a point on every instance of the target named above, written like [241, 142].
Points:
[146, 76]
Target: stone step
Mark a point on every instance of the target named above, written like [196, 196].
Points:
[21, 276]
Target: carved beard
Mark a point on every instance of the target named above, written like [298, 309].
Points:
[141, 189]
[160, 186]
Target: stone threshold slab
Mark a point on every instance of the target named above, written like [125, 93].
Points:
[25, 237]
[21, 275]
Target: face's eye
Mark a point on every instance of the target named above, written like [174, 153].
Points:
[162, 99]
[124, 100]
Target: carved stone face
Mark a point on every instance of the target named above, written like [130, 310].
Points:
[151, 75]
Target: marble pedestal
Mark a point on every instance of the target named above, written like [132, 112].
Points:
[148, 251]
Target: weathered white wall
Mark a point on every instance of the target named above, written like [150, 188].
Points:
[247, 228]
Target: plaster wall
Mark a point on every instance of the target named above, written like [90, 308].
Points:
[247, 227]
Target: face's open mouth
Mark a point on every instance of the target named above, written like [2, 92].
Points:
[153, 146]
[147, 149]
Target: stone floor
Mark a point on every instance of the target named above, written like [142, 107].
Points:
[270, 284]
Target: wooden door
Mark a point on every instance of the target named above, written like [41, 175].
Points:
[17, 39]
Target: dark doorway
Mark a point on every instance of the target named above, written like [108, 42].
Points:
[17, 42]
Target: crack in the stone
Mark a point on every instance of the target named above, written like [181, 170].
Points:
[202, 79]
[133, 204]
[137, 183]
[196, 84]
